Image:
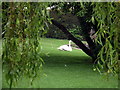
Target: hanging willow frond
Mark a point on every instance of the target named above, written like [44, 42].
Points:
[21, 44]
[108, 20]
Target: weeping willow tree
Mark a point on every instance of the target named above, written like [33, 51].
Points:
[108, 20]
[104, 19]
[23, 24]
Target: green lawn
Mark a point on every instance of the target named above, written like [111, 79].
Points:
[64, 69]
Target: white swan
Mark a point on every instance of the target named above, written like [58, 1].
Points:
[66, 47]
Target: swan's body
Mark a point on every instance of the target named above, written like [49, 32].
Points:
[66, 47]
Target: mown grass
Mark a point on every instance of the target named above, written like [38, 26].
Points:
[64, 69]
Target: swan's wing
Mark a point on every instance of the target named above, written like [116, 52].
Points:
[65, 48]
[62, 47]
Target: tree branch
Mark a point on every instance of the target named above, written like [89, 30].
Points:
[71, 37]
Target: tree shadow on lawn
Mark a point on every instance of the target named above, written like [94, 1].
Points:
[68, 59]
[58, 61]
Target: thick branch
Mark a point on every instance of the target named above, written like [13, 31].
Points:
[71, 37]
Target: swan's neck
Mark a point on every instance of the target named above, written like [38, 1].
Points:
[69, 43]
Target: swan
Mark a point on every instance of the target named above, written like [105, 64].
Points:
[51, 7]
[66, 47]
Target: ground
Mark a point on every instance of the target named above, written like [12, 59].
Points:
[64, 69]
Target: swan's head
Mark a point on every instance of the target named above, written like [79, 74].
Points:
[70, 40]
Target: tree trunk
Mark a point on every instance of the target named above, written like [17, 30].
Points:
[86, 27]
[71, 37]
